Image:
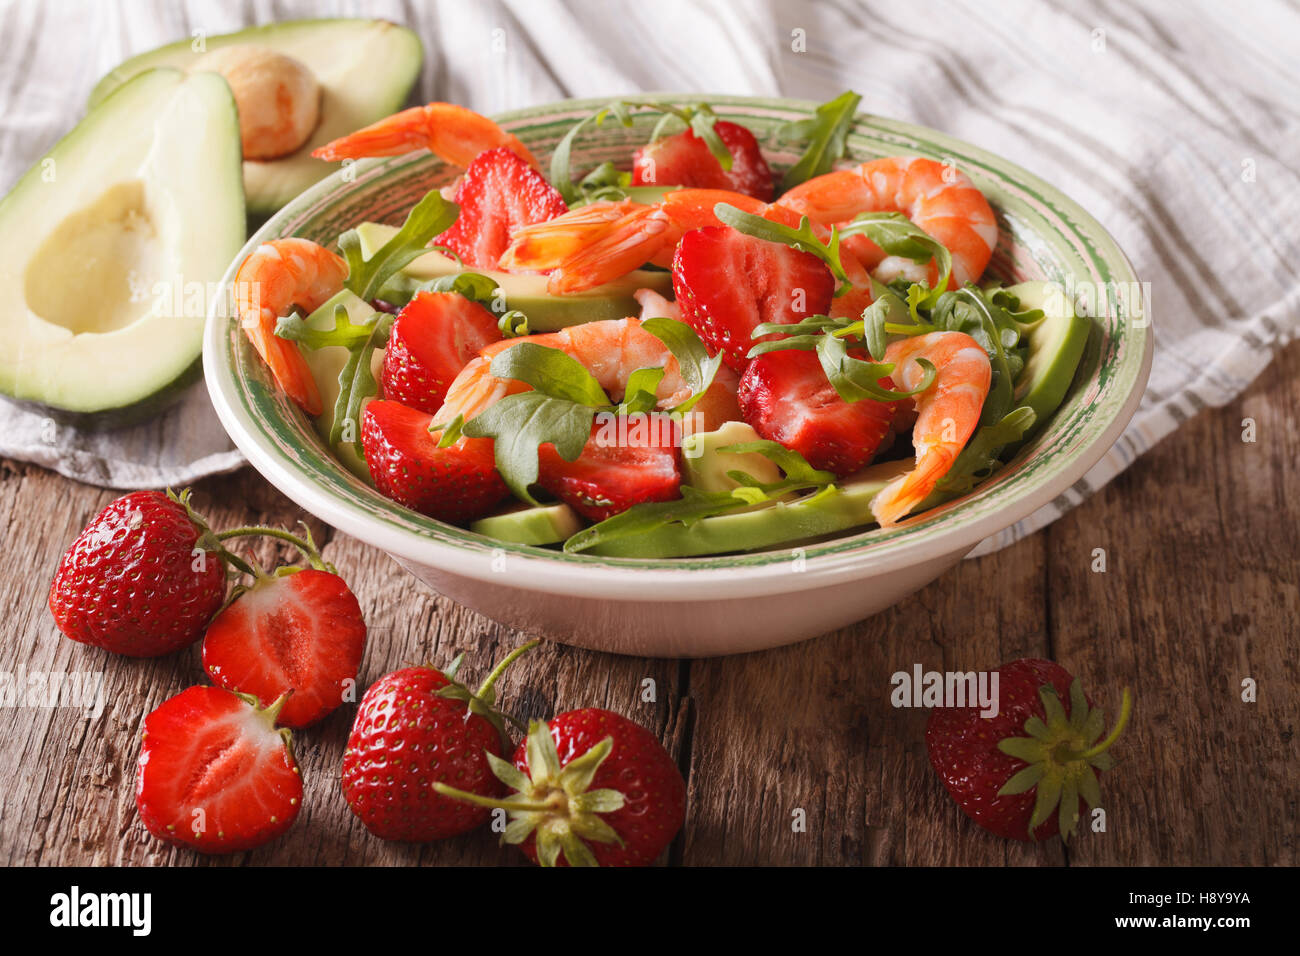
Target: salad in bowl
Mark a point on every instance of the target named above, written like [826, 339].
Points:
[681, 354]
[675, 375]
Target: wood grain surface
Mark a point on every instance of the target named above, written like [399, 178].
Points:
[1201, 591]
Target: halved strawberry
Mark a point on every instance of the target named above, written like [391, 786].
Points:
[786, 397]
[458, 483]
[683, 159]
[433, 338]
[728, 283]
[498, 193]
[215, 774]
[301, 631]
[625, 462]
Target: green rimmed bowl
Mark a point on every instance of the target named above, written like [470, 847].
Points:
[699, 607]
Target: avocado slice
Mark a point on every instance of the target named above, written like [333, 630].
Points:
[1056, 344]
[541, 525]
[706, 468]
[365, 68]
[110, 255]
[527, 292]
[781, 524]
[327, 363]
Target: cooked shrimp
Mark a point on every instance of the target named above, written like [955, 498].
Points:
[595, 244]
[935, 196]
[276, 276]
[451, 132]
[946, 413]
[611, 349]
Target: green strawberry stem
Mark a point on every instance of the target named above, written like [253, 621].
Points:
[306, 546]
[485, 689]
[1125, 709]
[483, 703]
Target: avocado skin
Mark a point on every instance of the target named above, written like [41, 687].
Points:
[111, 419]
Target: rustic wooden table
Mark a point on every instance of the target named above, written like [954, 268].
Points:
[1201, 590]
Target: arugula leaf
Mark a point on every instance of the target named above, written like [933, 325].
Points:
[346, 333]
[692, 506]
[1000, 398]
[854, 379]
[886, 310]
[793, 465]
[522, 423]
[641, 394]
[472, 285]
[694, 363]
[699, 117]
[357, 383]
[803, 238]
[980, 458]
[551, 372]
[429, 217]
[513, 324]
[899, 236]
[827, 133]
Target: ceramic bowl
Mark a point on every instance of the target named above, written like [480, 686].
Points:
[719, 605]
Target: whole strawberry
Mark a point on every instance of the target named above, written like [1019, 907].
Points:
[215, 773]
[592, 789]
[144, 578]
[1027, 772]
[414, 728]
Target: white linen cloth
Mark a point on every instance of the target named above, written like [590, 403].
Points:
[1176, 124]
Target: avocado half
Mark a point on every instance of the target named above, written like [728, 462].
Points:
[111, 247]
[366, 69]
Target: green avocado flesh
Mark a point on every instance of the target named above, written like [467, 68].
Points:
[111, 248]
[326, 364]
[836, 509]
[1055, 346]
[527, 293]
[365, 68]
[545, 524]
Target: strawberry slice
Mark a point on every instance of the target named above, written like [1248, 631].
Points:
[728, 283]
[458, 483]
[683, 159]
[498, 194]
[301, 631]
[786, 397]
[433, 338]
[622, 465]
[215, 774]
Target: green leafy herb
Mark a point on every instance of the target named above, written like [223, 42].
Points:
[522, 423]
[854, 379]
[552, 372]
[451, 431]
[691, 507]
[899, 236]
[513, 324]
[357, 383]
[827, 134]
[429, 217]
[798, 473]
[803, 238]
[980, 458]
[346, 333]
[641, 394]
[694, 363]
[699, 117]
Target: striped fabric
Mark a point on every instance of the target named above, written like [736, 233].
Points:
[1176, 124]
